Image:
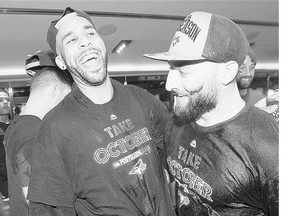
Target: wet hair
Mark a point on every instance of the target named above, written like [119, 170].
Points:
[50, 76]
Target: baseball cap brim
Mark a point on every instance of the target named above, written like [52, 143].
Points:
[168, 56]
[39, 60]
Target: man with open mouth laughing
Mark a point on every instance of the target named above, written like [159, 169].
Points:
[97, 151]
[221, 153]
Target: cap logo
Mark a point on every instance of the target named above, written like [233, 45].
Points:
[32, 64]
[189, 28]
[176, 40]
[64, 18]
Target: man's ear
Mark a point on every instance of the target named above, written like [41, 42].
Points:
[60, 63]
[230, 72]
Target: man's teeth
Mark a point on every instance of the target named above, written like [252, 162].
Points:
[178, 95]
[88, 57]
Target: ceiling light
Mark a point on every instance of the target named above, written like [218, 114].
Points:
[107, 29]
[121, 46]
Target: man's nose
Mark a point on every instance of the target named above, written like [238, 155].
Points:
[84, 42]
[172, 80]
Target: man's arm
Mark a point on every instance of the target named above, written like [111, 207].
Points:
[273, 196]
[50, 183]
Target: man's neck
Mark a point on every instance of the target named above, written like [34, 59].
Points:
[228, 106]
[5, 119]
[243, 91]
[36, 106]
[98, 94]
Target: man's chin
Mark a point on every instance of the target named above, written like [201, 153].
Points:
[244, 86]
[99, 82]
[181, 117]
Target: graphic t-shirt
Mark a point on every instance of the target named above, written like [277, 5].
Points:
[102, 159]
[227, 169]
[19, 140]
[3, 169]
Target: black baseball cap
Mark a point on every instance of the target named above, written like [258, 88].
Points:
[41, 59]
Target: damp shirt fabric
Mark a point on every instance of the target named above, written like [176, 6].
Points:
[230, 168]
[102, 159]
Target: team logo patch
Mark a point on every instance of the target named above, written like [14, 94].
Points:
[193, 143]
[113, 117]
[139, 169]
[183, 199]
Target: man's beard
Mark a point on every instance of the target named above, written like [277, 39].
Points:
[244, 85]
[102, 74]
[195, 108]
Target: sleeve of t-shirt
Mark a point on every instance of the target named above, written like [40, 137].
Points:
[23, 159]
[272, 194]
[267, 160]
[49, 183]
[23, 164]
[156, 112]
[270, 187]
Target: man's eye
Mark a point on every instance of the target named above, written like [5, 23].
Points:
[183, 73]
[3, 99]
[91, 33]
[70, 40]
[241, 69]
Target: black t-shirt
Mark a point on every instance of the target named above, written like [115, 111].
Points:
[102, 159]
[19, 141]
[3, 169]
[227, 169]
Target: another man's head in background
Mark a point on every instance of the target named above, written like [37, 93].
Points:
[4, 106]
[246, 71]
[49, 84]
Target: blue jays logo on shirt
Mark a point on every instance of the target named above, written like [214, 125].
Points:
[139, 169]
[183, 199]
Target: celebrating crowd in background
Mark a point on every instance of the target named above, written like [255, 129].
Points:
[86, 144]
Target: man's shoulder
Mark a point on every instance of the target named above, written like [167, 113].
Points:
[129, 87]
[260, 114]
[21, 130]
[261, 125]
[143, 96]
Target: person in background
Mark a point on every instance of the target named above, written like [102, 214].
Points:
[97, 151]
[4, 123]
[270, 103]
[48, 86]
[222, 153]
[245, 77]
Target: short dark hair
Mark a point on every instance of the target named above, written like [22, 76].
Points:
[49, 76]
[252, 55]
